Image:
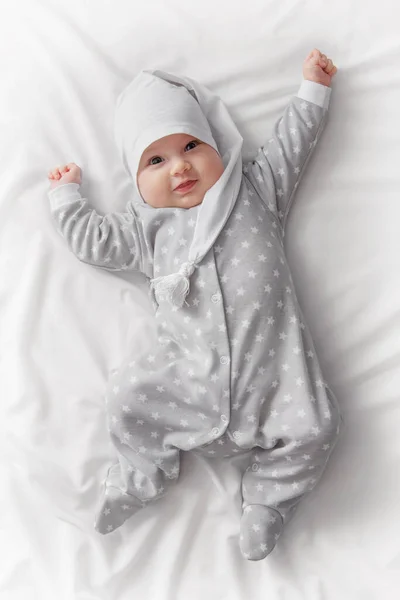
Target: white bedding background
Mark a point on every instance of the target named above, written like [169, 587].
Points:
[65, 325]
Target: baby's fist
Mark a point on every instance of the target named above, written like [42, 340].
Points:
[69, 173]
[318, 68]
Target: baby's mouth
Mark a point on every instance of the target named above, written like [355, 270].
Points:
[186, 186]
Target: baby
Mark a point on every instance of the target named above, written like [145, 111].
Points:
[235, 369]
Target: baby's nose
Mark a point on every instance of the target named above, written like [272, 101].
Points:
[179, 167]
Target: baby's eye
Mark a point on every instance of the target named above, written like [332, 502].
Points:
[155, 158]
[193, 144]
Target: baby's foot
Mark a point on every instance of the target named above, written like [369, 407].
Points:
[260, 528]
[116, 505]
[114, 509]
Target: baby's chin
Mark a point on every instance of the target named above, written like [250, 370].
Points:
[188, 201]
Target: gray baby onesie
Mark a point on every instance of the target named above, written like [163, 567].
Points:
[235, 369]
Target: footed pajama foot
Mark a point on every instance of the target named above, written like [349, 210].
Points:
[115, 508]
[260, 528]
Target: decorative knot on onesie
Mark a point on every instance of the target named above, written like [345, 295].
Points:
[175, 287]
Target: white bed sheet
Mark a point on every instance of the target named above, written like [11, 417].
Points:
[64, 325]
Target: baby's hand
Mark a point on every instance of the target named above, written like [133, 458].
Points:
[317, 67]
[69, 173]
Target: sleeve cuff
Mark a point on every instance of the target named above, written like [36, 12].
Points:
[64, 194]
[315, 92]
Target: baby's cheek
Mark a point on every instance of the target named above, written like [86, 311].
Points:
[215, 170]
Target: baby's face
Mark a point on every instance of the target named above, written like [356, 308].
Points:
[173, 160]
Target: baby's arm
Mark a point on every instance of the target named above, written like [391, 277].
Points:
[278, 167]
[110, 241]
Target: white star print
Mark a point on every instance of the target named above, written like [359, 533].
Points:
[249, 334]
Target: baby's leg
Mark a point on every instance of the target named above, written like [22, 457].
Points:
[145, 467]
[134, 481]
[278, 478]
